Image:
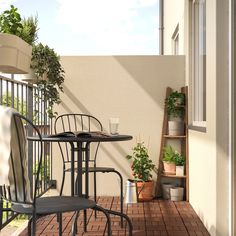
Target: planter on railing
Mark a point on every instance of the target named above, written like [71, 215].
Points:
[15, 54]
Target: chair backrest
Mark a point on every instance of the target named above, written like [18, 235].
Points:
[76, 122]
[20, 189]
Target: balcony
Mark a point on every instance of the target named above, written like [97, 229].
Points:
[158, 217]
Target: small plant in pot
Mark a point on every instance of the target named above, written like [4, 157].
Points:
[180, 163]
[142, 167]
[175, 109]
[169, 160]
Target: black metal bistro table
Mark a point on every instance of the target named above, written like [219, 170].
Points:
[83, 144]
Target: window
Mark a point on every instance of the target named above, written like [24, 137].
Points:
[175, 41]
[199, 63]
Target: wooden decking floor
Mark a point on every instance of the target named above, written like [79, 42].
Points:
[159, 217]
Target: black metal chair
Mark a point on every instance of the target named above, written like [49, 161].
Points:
[23, 196]
[83, 122]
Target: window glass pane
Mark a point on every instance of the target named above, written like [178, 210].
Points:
[199, 60]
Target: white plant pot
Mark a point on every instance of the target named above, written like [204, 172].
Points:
[166, 190]
[177, 194]
[179, 170]
[15, 54]
[176, 127]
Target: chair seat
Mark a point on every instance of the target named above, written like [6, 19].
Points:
[95, 169]
[50, 205]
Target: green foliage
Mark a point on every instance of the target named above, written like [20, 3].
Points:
[11, 23]
[29, 30]
[18, 220]
[16, 103]
[169, 154]
[172, 156]
[44, 173]
[142, 165]
[179, 160]
[45, 62]
[175, 104]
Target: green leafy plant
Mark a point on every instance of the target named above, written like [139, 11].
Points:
[169, 154]
[179, 160]
[17, 103]
[175, 104]
[172, 156]
[142, 166]
[12, 23]
[46, 63]
[29, 32]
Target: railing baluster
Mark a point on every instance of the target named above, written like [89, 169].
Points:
[28, 100]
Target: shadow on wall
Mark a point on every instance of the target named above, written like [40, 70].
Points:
[130, 87]
[82, 108]
[160, 70]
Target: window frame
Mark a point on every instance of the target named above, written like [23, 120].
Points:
[198, 65]
[175, 41]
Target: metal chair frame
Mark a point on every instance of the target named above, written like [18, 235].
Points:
[83, 122]
[36, 207]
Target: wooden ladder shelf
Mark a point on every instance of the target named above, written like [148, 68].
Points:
[183, 181]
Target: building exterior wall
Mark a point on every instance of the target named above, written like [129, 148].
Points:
[129, 87]
[173, 16]
[208, 151]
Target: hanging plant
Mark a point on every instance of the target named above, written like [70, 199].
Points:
[46, 64]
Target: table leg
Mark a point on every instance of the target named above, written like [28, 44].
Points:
[79, 169]
[72, 170]
[87, 153]
[87, 157]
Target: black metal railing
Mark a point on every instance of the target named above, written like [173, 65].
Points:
[28, 100]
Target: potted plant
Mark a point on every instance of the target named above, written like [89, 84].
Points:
[180, 163]
[175, 110]
[16, 39]
[142, 167]
[44, 67]
[169, 160]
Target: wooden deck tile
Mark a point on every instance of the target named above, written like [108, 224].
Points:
[156, 218]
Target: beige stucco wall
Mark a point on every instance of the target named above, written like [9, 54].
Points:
[173, 15]
[208, 152]
[129, 87]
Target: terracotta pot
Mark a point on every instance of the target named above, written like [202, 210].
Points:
[169, 168]
[145, 191]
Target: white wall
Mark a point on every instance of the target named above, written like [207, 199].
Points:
[129, 87]
[173, 15]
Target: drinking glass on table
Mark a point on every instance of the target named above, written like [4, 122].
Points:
[113, 125]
